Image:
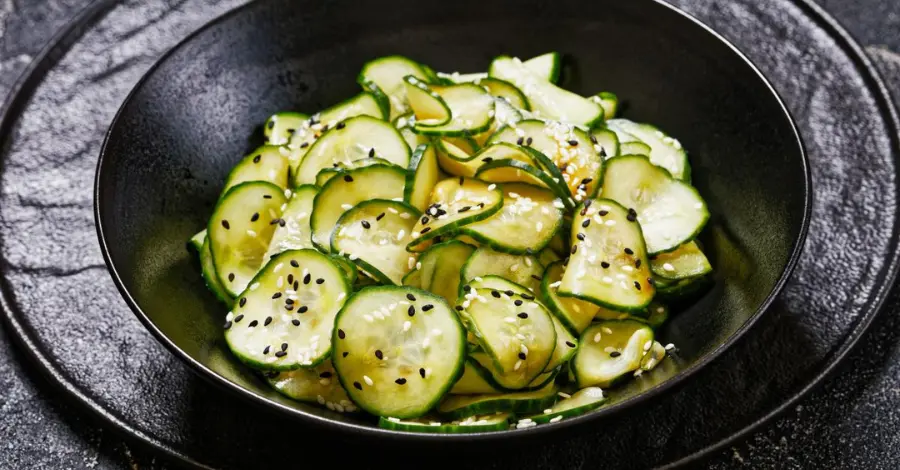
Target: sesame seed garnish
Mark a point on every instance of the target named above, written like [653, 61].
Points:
[487, 159]
[422, 372]
[341, 334]
[527, 296]
[628, 251]
[424, 231]
[238, 318]
[520, 141]
[340, 125]
[580, 236]
[227, 325]
[522, 356]
[637, 263]
[631, 217]
[518, 303]
[348, 178]
[603, 213]
[284, 346]
[528, 141]
[509, 293]
[586, 223]
[637, 285]
[615, 354]
[230, 277]
[268, 320]
[345, 354]
[357, 385]
[523, 315]
[495, 294]
[253, 324]
[280, 354]
[411, 297]
[276, 295]
[593, 139]
[570, 344]
[459, 308]
[428, 307]
[573, 142]
[604, 264]
[460, 211]
[243, 301]
[320, 281]
[303, 309]
[266, 350]
[574, 249]
[411, 311]
[226, 224]
[597, 337]
[267, 196]
[295, 322]
[379, 354]
[400, 381]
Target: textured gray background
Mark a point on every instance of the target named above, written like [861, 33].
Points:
[851, 422]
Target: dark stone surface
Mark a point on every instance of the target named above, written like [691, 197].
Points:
[851, 422]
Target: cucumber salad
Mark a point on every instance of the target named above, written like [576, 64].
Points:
[455, 252]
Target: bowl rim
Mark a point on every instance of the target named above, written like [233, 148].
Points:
[369, 431]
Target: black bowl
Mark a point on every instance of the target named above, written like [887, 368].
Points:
[198, 110]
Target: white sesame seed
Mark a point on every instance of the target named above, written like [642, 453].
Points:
[509, 320]
[492, 187]
[254, 286]
[324, 382]
[278, 267]
[320, 399]
[338, 408]
[368, 380]
[402, 233]
[393, 420]
[661, 310]
[341, 296]
[405, 215]
[556, 419]
[638, 372]
[437, 332]
[330, 406]
[426, 342]
[554, 285]
[514, 268]
[280, 282]
[627, 268]
[392, 210]
[229, 316]
[606, 330]
[407, 325]
[610, 223]
[668, 267]
[564, 395]
[518, 365]
[670, 347]
[647, 345]
[548, 411]
[346, 207]
[597, 337]
[413, 235]
[539, 226]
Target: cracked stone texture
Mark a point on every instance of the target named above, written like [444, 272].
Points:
[53, 264]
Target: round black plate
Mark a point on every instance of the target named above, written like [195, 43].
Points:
[62, 306]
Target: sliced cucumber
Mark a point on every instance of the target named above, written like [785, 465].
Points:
[524, 270]
[471, 424]
[456, 202]
[314, 385]
[505, 91]
[349, 269]
[440, 268]
[545, 66]
[476, 380]
[398, 350]
[240, 229]
[428, 106]
[374, 234]
[528, 220]
[278, 327]
[547, 100]
[664, 150]
[363, 104]
[610, 351]
[609, 102]
[657, 314]
[684, 262]
[608, 265]
[404, 124]
[511, 381]
[670, 211]
[196, 242]
[280, 127]
[515, 171]
[292, 231]
[579, 403]
[635, 148]
[653, 356]
[606, 142]
[386, 74]
[352, 139]
[678, 291]
[566, 346]
[413, 279]
[340, 168]
[459, 157]
[211, 278]
[471, 108]
[340, 194]
[516, 331]
[461, 406]
[263, 164]
[575, 314]
[504, 114]
[422, 177]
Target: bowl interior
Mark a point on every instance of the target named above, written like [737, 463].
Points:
[199, 110]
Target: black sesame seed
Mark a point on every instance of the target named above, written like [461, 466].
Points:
[345, 354]
[243, 301]
[268, 320]
[427, 307]
[284, 346]
[341, 334]
[424, 220]
[290, 279]
[426, 230]
[604, 264]
[587, 181]
[584, 211]
[379, 216]
[462, 181]
[254, 217]
[603, 213]
[372, 152]
[615, 354]
[459, 308]
[518, 303]
[226, 224]
[238, 318]
[366, 225]
[631, 217]
[495, 294]
[230, 277]
[357, 385]
[528, 141]
[509, 293]
[304, 145]
[276, 295]
[291, 131]
[325, 375]
[325, 128]
[348, 178]
[422, 372]
[522, 315]
[294, 263]
[464, 209]
[274, 221]
[588, 203]
[400, 381]
[306, 279]
[340, 125]
[281, 223]
[320, 281]
[295, 322]
[603, 152]
[651, 281]
[527, 296]
[574, 249]
[520, 141]
[280, 354]
[580, 236]
[227, 325]
[253, 324]
[266, 350]
[522, 356]
[628, 251]
[288, 307]
[570, 344]
[586, 223]
[271, 124]
[296, 285]
[593, 139]
[536, 278]
[379, 354]
[573, 142]
[303, 309]
[256, 158]
[487, 159]
[267, 196]
[637, 263]
[411, 297]
[637, 285]
[467, 288]
[411, 311]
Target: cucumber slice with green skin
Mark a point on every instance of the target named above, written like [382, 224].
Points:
[566, 346]
[211, 278]
[439, 268]
[505, 91]
[579, 403]
[580, 165]
[456, 156]
[349, 269]
[515, 171]
[475, 380]
[240, 229]
[471, 108]
[386, 75]
[516, 331]
[413, 279]
[653, 356]
[196, 242]
[471, 424]
[428, 106]
[276, 326]
[608, 265]
[313, 385]
[524, 270]
[607, 141]
[456, 202]
[461, 406]
[526, 223]
[340, 194]
[339, 168]
[682, 289]
[280, 127]
[266, 163]
[422, 177]
[363, 104]
[686, 261]
[404, 124]
[509, 382]
[658, 313]
[575, 314]
[546, 66]
[670, 211]
[374, 234]
[547, 100]
[610, 103]
[398, 350]
[635, 148]
[353, 139]
[611, 351]
[292, 230]
[665, 151]
[504, 114]
[461, 148]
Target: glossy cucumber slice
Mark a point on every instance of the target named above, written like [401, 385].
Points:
[211, 278]
[505, 91]
[353, 139]
[611, 351]
[635, 148]
[509, 381]
[566, 346]
[456, 202]
[373, 234]
[524, 270]
[422, 177]
[439, 268]
[471, 108]
[606, 142]
[280, 127]
[461, 406]
[385, 74]
[684, 262]
[545, 66]
[363, 104]
[283, 320]
[292, 231]
[670, 211]
[471, 424]
[428, 106]
[610, 103]
[240, 229]
[314, 385]
[664, 150]
[579, 403]
[575, 314]
[195, 244]
[504, 114]
[475, 380]
[266, 163]
[398, 350]
[404, 124]
[653, 356]
[608, 265]
[340, 168]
